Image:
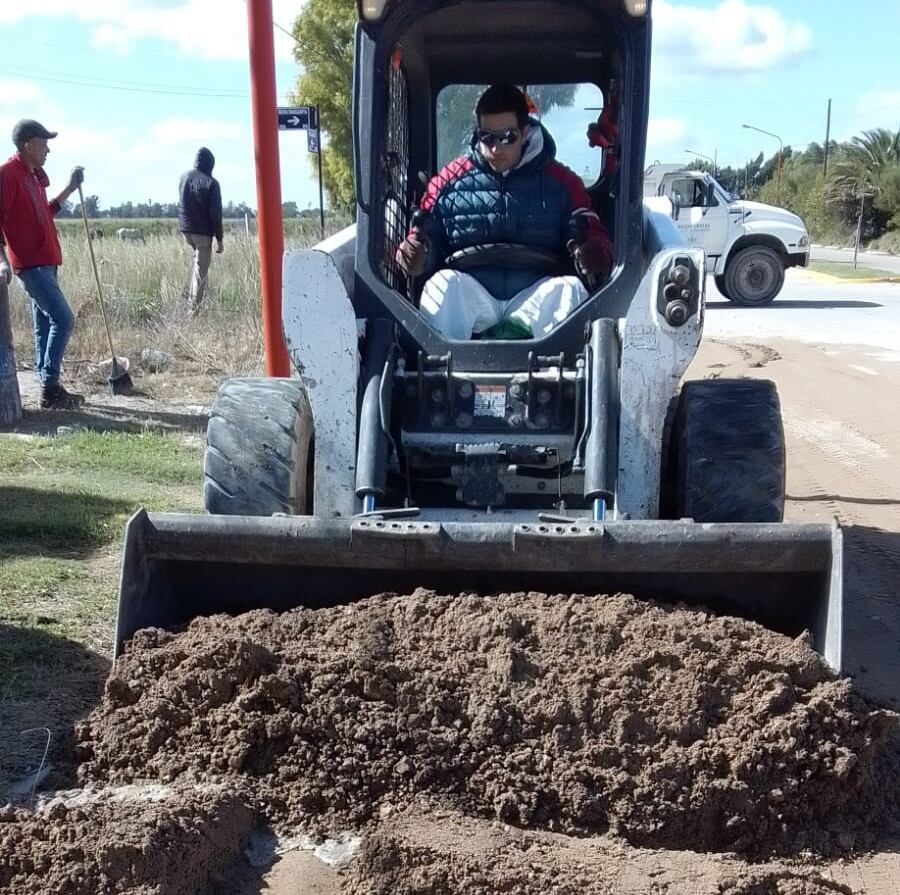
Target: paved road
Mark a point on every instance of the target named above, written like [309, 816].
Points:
[834, 351]
[869, 259]
[814, 311]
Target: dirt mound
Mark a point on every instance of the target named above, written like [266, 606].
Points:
[425, 850]
[139, 840]
[580, 715]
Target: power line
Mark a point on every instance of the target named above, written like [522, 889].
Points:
[162, 90]
[118, 84]
[158, 89]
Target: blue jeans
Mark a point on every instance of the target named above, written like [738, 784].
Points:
[53, 320]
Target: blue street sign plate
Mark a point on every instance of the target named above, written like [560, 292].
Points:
[297, 118]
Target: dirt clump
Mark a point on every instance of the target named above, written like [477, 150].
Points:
[579, 715]
[427, 850]
[138, 840]
[783, 882]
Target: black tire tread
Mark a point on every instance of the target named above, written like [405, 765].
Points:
[732, 286]
[257, 447]
[721, 285]
[728, 439]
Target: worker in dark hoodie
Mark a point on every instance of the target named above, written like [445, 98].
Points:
[200, 220]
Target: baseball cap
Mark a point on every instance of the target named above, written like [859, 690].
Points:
[27, 129]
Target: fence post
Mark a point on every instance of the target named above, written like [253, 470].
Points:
[10, 399]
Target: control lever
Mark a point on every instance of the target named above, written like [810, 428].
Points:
[418, 225]
[578, 233]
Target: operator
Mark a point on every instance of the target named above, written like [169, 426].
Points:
[508, 189]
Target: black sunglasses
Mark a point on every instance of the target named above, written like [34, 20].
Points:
[506, 137]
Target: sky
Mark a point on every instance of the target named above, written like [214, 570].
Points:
[134, 87]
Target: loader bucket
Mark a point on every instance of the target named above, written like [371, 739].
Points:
[176, 567]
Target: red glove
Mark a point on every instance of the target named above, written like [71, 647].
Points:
[593, 257]
[411, 256]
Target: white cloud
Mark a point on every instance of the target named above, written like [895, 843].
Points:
[207, 29]
[666, 130]
[886, 103]
[666, 139]
[13, 91]
[178, 131]
[734, 37]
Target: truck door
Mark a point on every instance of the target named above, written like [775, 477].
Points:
[699, 215]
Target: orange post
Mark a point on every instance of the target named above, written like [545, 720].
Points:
[268, 181]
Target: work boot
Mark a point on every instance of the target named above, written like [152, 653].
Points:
[55, 397]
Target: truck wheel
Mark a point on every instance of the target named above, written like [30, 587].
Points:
[257, 449]
[727, 457]
[754, 276]
[720, 285]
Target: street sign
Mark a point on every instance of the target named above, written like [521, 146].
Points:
[306, 118]
[299, 118]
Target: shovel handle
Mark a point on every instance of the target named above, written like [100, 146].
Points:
[87, 236]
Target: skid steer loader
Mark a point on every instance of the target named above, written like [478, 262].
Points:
[576, 462]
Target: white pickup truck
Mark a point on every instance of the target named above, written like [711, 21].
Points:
[748, 244]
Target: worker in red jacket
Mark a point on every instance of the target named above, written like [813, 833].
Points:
[29, 245]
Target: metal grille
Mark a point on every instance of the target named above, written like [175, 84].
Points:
[396, 178]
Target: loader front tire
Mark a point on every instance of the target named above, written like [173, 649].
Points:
[728, 456]
[258, 449]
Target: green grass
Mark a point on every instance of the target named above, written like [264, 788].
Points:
[64, 502]
[77, 490]
[846, 270]
[63, 499]
[147, 455]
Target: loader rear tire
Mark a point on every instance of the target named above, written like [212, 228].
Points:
[728, 456]
[258, 449]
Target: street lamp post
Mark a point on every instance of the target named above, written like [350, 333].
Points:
[778, 165]
[712, 161]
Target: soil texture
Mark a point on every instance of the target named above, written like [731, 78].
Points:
[667, 728]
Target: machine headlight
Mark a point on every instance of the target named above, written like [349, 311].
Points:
[636, 7]
[371, 10]
[803, 241]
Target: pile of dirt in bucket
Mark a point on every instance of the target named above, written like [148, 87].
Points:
[567, 715]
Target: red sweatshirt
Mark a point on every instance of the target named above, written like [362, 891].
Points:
[26, 217]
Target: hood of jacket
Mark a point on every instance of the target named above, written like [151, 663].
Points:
[539, 148]
[205, 161]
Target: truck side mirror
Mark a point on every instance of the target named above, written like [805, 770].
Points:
[676, 208]
[710, 195]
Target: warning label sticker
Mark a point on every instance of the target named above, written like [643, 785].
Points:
[490, 400]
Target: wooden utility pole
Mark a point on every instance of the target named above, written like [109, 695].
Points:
[827, 139]
[10, 399]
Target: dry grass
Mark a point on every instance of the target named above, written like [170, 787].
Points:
[144, 286]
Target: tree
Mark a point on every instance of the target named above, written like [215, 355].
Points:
[324, 36]
[10, 399]
[289, 210]
[91, 206]
[869, 165]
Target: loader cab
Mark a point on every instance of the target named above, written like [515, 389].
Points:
[569, 423]
[420, 67]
